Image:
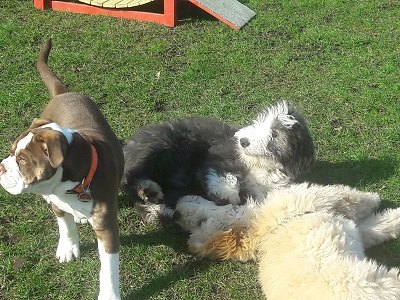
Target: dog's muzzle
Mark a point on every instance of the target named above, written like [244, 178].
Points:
[10, 177]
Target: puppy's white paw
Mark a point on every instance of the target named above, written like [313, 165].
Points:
[81, 220]
[108, 296]
[67, 250]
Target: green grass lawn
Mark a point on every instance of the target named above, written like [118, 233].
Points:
[338, 61]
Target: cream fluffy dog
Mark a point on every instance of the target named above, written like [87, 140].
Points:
[309, 240]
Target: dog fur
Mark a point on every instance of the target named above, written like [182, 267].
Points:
[309, 241]
[219, 161]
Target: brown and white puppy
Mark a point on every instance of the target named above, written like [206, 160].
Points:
[72, 158]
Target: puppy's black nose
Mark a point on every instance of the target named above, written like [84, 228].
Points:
[244, 142]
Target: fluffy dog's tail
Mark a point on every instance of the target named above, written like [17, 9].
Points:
[50, 79]
[237, 243]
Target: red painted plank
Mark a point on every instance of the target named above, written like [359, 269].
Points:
[168, 18]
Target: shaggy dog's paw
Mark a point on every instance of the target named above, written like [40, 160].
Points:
[224, 189]
[149, 191]
[67, 250]
[155, 213]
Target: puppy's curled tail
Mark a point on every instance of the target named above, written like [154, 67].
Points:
[52, 82]
[236, 243]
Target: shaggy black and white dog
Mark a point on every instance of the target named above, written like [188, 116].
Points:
[219, 161]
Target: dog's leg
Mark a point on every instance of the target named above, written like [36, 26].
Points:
[105, 224]
[148, 191]
[194, 212]
[352, 203]
[207, 221]
[222, 188]
[68, 244]
[109, 272]
[191, 211]
[380, 227]
[356, 205]
[154, 213]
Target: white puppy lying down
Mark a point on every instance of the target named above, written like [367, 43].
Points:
[309, 240]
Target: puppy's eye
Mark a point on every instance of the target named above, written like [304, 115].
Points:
[274, 134]
[21, 160]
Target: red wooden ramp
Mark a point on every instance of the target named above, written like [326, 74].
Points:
[231, 12]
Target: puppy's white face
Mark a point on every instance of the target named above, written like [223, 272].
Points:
[256, 139]
[35, 158]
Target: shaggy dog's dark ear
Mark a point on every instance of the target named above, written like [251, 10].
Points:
[288, 120]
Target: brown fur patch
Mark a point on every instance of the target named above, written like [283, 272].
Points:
[230, 244]
[105, 225]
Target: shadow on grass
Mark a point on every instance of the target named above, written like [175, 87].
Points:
[172, 237]
[353, 173]
[162, 282]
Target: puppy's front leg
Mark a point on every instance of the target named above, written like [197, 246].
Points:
[107, 233]
[68, 244]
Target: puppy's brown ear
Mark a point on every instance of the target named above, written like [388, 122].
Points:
[37, 122]
[54, 145]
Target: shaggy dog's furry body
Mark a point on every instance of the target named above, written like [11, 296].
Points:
[219, 161]
[309, 241]
[163, 160]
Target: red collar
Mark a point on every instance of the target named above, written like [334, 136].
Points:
[82, 189]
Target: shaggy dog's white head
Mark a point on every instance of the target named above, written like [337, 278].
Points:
[279, 133]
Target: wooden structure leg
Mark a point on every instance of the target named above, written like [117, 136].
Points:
[167, 18]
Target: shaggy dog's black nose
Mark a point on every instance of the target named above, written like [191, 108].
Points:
[244, 142]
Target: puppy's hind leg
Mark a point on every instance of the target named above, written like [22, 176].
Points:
[380, 227]
[105, 224]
